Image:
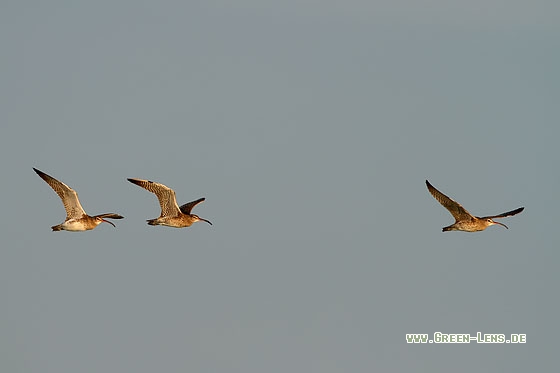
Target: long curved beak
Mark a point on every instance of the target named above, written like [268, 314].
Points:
[107, 221]
[503, 225]
[208, 221]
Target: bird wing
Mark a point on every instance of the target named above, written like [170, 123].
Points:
[505, 214]
[187, 207]
[165, 195]
[109, 215]
[455, 208]
[69, 197]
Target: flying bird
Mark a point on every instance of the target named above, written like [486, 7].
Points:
[171, 214]
[464, 221]
[76, 218]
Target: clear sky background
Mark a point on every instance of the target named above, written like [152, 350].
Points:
[310, 127]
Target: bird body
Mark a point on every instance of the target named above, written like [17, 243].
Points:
[76, 218]
[77, 225]
[171, 214]
[464, 220]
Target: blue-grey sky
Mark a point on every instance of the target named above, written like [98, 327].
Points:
[310, 127]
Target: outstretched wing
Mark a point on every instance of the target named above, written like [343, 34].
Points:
[165, 195]
[69, 197]
[458, 211]
[505, 214]
[187, 207]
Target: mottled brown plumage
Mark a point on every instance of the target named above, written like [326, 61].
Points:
[171, 214]
[464, 221]
[76, 218]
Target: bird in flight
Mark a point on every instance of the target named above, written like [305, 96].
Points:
[76, 218]
[464, 221]
[171, 214]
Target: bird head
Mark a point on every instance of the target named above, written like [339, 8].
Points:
[490, 222]
[197, 218]
[99, 220]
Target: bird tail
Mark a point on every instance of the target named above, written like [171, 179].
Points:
[56, 228]
[152, 222]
